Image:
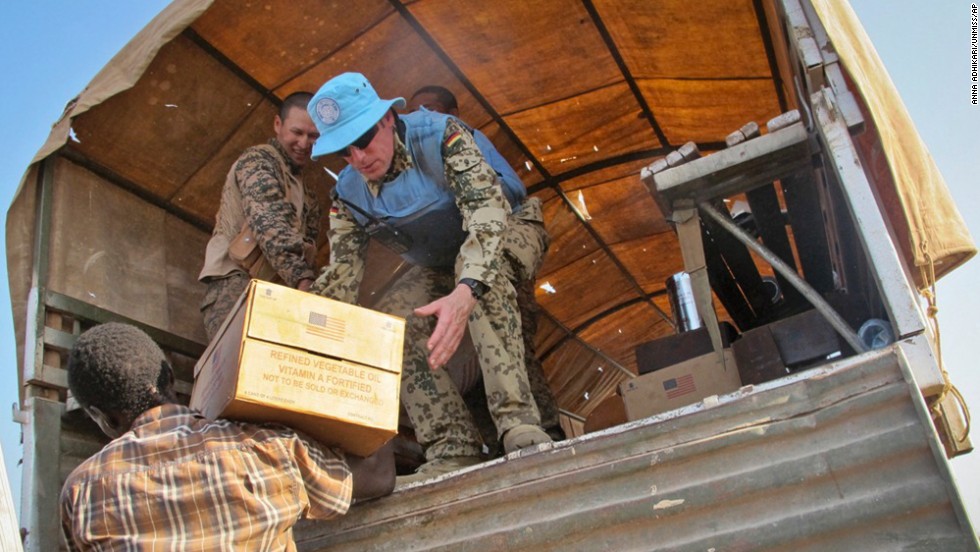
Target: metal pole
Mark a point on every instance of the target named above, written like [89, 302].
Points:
[782, 268]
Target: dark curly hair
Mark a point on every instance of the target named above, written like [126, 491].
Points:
[445, 97]
[118, 368]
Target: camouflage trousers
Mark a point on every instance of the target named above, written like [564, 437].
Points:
[220, 297]
[476, 398]
[443, 424]
[543, 397]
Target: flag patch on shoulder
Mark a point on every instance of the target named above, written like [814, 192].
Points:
[453, 139]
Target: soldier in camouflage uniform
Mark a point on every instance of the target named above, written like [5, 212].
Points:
[441, 100]
[425, 177]
[264, 190]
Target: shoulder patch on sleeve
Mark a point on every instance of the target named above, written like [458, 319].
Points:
[452, 140]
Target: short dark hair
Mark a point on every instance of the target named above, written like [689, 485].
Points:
[296, 99]
[118, 368]
[443, 94]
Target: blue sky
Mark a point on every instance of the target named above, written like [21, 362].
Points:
[52, 48]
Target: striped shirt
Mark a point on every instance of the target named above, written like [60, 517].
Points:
[179, 482]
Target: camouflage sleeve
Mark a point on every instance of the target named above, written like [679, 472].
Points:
[312, 215]
[480, 199]
[341, 279]
[271, 217]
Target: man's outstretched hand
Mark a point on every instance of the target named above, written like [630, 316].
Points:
[452, 312]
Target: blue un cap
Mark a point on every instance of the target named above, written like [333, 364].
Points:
[345, 108]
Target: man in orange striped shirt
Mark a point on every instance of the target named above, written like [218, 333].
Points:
[172, 480]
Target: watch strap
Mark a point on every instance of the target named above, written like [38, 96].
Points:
[477, 288]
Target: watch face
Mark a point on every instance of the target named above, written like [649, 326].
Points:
[476, 288]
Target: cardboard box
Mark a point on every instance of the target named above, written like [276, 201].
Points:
[671, 349]
[757, 357]
[772, 351]
[329, 369]
[681, 384]
[804, 338]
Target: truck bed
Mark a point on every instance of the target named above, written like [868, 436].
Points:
[838, 457]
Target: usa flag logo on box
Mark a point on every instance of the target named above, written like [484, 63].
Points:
[679, 386]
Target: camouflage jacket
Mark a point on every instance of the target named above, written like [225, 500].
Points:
[479, 197]
[256, 195]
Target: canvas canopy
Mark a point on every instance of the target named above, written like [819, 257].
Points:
[579, 96]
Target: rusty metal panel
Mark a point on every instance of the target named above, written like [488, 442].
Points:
[113, 250]
[841, 457]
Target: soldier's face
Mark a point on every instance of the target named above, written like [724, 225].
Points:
[373, 160]
[297, 133]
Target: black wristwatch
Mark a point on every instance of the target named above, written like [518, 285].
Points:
[477, 288]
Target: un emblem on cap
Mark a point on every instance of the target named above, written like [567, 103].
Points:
[327, 111]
